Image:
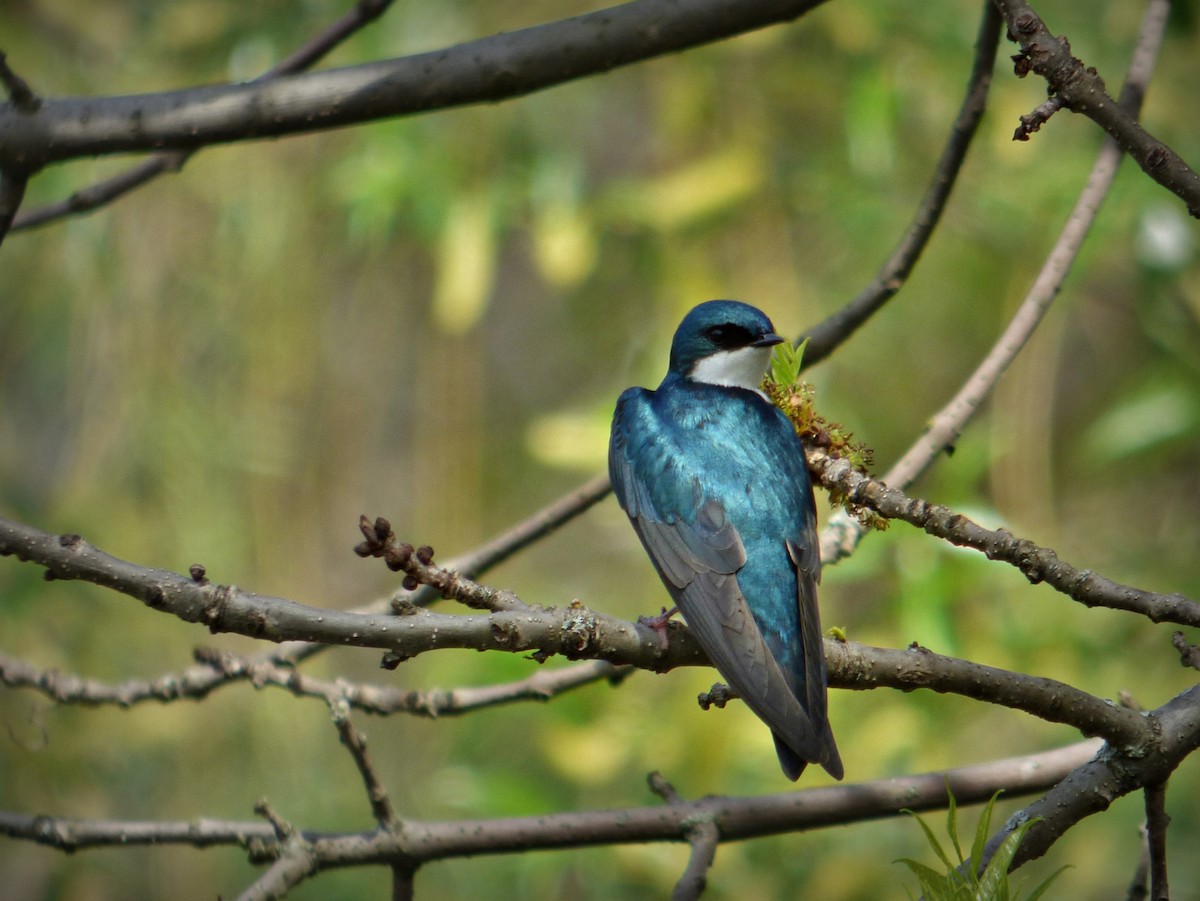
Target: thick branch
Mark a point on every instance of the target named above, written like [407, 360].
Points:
[487, 70]
[1095, 785]
[574, 632]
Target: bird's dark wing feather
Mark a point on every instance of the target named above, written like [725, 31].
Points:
[698, 561]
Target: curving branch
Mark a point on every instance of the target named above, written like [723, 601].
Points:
[494, 68]
[1080, 89]
[1111, 775]
[829, 334]
[105, 192]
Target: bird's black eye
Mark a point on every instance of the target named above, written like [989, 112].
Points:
[728, 335]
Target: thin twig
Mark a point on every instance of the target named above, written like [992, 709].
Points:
[220, 668]
[825, 337]
[356, 743]
[1156, 838]
[530, 530]
[703, 837]
[19, 93]
[12, 192]
[1138, 889]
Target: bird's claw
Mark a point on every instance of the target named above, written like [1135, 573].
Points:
[659, 624]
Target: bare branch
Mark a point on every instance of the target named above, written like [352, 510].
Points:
[576, 632]
[12, 192]
[737, 818]
[542, 523]
[495, 68]
[221, 668]
[704, 836]
[1094, 786]
[1038, 564]
[860, 667]
[380, 541]
[1081, 90]
[105, 192]
[19, 93]
[356, 743]
[843, 532]
[829, 334]
[1156, 839]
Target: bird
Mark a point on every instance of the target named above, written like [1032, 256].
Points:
[713, 478]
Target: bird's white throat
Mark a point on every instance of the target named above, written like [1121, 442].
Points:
[741, 368]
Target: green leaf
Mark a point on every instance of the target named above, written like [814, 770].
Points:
[933, 884]
[931, 838]
[1045, 884]
[952, 824]
[982, 831]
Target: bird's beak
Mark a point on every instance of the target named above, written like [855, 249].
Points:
[768, 341]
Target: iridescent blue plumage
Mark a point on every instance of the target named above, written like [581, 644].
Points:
[714, 481]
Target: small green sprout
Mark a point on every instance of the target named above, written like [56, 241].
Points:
[961, 882]
[796, 399]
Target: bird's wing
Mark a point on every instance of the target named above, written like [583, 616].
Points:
[807, 559]
[698, 556]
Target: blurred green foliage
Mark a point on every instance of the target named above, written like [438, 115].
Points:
[430, 319]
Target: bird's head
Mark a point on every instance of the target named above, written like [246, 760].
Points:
[724, 342]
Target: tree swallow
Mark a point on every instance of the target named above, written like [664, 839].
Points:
[714, 480]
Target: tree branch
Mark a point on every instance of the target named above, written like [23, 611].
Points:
[356, 743]
[1094, 786]
[825, 337]
[1081, 90]
[105, 192]
[704, 836]
[499, 67]
[1038, 564]
[574, 632]
[1156, 839]
[842, 533]
[861, 667]
[220, 668]
[736, 818]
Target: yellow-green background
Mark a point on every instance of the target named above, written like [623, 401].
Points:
[430, 319]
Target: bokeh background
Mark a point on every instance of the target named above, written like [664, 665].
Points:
[430, 319]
